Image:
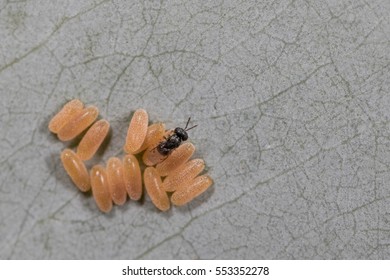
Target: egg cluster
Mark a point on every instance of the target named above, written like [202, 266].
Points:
[168, 178]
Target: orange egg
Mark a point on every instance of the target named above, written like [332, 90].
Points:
[183, 175]
[167, 150]
[191, 190]
[136, 132]
[151, 156]
[76, 169]
[132, 177]
[154, 134]
[67, 112]
[152, 181]
[116, 183]
[178, 157]
[78, 123]
[93, 139]
[100, 189]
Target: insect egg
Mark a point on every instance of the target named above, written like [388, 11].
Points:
[116, 183]
[193, 189]
[154, 134]
[100, 190]
[151, 157]
[93, 139]
[178, 157]
[152, 181]
[137, 131]
[78, 123]
[132, 177]
[76, 169]
[65, 114]
[165, 152]
[183, 175]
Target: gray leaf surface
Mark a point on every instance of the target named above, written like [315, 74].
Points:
[292, 102]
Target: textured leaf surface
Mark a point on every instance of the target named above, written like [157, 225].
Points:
[292, 104]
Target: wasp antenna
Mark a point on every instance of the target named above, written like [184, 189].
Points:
[191, 127]
[187, 122]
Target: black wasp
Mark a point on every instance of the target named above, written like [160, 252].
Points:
[174, 140]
